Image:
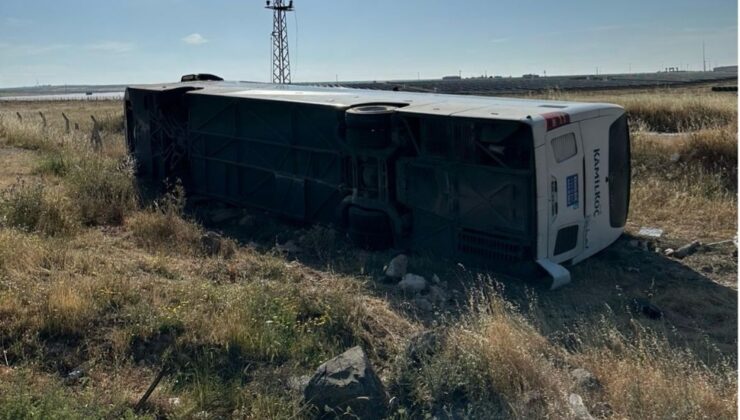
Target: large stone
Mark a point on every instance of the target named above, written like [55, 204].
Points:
[580, 412]
[397, 267]
[347, 384]
[412, 283]
[584, 380]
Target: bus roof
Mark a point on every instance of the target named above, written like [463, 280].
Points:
[488, 107]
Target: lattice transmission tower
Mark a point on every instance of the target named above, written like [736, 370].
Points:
[280, 55]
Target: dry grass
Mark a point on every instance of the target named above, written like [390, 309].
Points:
[665, 110]
[496, 363]
[686, 184]
[644, 377]
[90, 277]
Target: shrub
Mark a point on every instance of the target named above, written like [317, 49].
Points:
[54, 163]
[104, 189]
[493, 362]
[164, 228]
[111, 123]
[28, 207]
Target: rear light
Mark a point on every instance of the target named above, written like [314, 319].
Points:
[556, 119]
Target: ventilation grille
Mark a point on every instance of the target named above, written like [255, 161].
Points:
[489, 247]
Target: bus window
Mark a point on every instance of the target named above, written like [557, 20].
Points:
[619, 172]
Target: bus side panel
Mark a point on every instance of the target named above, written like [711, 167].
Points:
[138, 134]
[280, 156]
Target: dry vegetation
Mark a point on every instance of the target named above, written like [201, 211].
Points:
[95, 278]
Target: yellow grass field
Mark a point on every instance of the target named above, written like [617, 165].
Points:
[101, 287]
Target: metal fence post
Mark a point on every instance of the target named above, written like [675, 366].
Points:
[66, 123]
[95, 140]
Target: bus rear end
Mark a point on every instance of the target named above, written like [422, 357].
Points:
[584, 185]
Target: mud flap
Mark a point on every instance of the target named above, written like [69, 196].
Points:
[559, 274]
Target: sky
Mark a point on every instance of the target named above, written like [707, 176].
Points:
[149, 41]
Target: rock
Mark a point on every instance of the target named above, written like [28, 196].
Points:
[435, 279]
[424, 304]
[584, 380]
[174, 402]
[580, 412]
[687, 250]
[75, 375]
[646, 308]
[347, 384]
[397, 267]
[412, 283]
[669, 252]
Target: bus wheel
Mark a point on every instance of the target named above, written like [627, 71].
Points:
[370, 229]
[369, 127]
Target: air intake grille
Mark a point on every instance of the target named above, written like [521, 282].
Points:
[489, 247]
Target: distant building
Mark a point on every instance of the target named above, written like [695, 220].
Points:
[726, 69]
[530, 76]
[451, 78]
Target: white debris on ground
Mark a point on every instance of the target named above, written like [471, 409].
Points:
[650, 232]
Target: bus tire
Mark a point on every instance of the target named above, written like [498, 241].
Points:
[369, 116]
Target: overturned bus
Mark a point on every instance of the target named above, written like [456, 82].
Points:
[512, 184]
